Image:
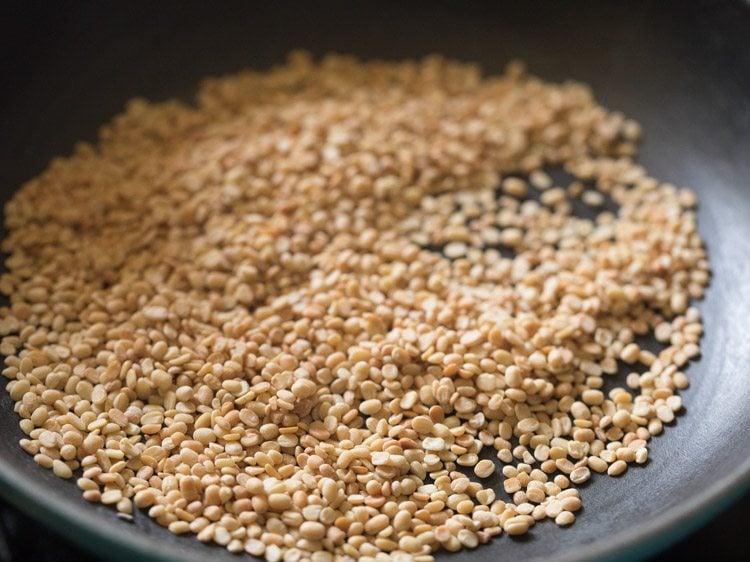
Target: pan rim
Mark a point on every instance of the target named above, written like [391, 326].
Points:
[652, 535]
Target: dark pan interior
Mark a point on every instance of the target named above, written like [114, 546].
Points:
[681, 68]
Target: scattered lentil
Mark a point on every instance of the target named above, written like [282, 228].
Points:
[565, 518]
[229, 314]
[484, 468]
[617, 468]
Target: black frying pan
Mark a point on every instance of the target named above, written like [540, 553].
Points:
[681, 68]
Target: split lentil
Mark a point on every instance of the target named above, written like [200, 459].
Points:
[234, 315]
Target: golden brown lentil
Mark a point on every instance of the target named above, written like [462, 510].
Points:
[227, 314]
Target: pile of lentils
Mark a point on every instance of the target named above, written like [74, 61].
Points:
[307, 317]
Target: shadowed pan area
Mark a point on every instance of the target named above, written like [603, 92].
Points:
[681, 69]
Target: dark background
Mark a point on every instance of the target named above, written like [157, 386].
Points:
[38, 39]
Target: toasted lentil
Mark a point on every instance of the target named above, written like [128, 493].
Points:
[580, 475]
[484, 468]
[565, 518]
[617, 468]
[234, 315]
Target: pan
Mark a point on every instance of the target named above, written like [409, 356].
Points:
[680, 68]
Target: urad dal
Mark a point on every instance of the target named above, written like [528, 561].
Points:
[237, 315]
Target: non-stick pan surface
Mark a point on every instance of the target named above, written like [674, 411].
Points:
[681, 68]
